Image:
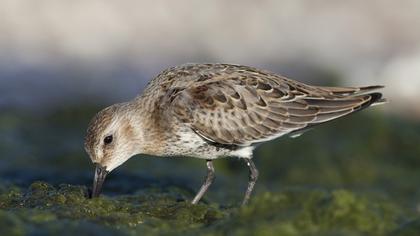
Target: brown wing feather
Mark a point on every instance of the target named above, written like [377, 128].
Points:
[243, 107]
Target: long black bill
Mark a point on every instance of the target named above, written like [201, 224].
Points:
[100, 174]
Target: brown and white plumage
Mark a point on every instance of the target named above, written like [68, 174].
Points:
[213, 110]
[239, 105]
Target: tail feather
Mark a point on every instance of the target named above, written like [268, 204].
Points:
[342, 107]
[350, 91]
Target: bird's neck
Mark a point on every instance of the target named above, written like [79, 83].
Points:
[149, 133]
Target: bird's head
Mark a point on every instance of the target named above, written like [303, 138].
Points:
[110, 141]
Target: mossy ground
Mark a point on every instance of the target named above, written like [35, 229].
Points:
[354, 176]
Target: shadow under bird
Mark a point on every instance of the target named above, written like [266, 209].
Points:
[209, 111]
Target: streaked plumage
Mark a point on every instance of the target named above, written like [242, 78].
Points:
[216, 110]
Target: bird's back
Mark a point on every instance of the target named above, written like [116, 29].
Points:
[240, 106]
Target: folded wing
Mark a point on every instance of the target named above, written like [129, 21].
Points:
[242, 109]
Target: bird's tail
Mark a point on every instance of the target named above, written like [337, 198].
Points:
[346, 100]
[376, 99]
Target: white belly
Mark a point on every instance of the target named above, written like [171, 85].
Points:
[190, 144]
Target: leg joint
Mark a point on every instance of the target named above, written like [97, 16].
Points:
[210, 172]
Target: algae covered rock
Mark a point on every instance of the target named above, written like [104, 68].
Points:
[50, 208]
[46, 209]
[314, 212]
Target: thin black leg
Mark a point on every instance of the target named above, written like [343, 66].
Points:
[207, 182]
[253, 176]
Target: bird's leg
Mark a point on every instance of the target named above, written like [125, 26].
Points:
[207, 182]
[253, 176]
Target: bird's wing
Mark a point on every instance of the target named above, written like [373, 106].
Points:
[244, 109]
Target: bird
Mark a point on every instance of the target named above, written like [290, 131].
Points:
[212, 111]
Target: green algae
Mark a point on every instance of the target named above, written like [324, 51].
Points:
[304, 212]
[42, 204]
[44, 208]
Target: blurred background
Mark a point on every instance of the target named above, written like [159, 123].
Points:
[106, 51]
[62, 61]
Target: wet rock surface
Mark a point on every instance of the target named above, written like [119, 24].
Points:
[43, 208]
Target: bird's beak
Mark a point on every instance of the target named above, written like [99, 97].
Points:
[100, 174]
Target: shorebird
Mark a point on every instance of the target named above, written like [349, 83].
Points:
[209, 111]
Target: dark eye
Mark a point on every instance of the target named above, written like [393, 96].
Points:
[108, 139]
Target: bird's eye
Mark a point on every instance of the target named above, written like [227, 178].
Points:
[108, 139]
